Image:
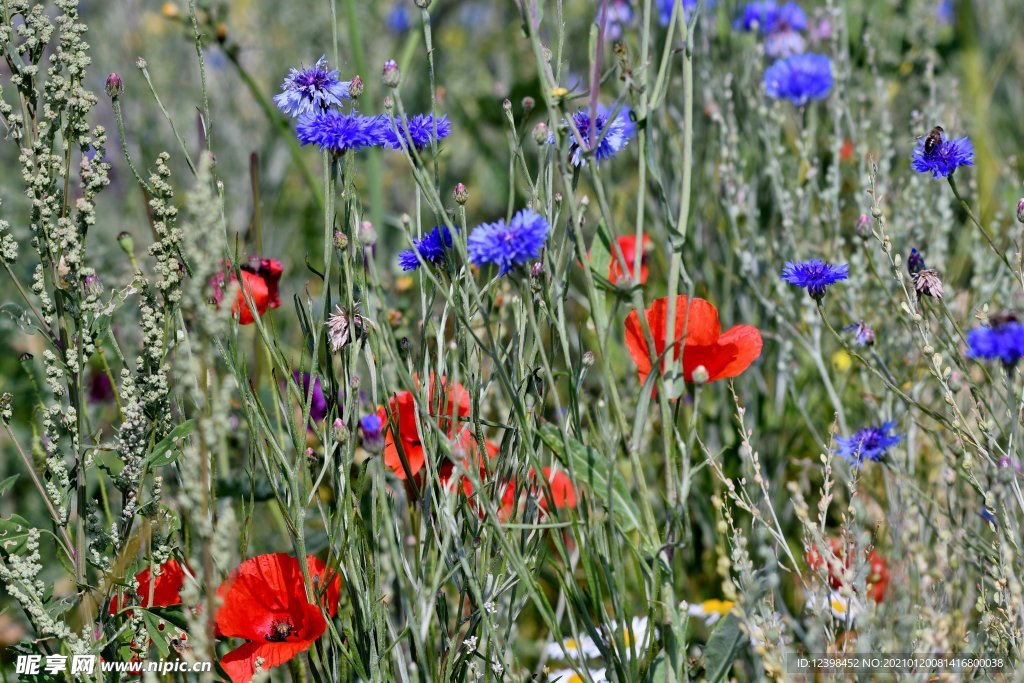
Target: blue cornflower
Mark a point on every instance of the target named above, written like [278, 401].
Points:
[620, 130]
[799, 78]
[620, 15]
[1004, 342]
[420, 131]
[946, 157]
[869, 443]
[509, 244]
[790, 16]
[987, 515]
[431, 248]
[338, 132]
[665, 9]
[783, 37]
[815, 276]
[398, 19]
[371, 429]
[310, 91]
[756, 16]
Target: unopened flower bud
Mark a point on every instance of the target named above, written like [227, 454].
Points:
[6, 400]
[588, 359]
[367, 234]
[700, 375]
[915, 262]
[340, 240]
[355, 87]
[528, 104]
[404, 347]
[115, 86]
[460, 194]
[540, 133]
[391, 76]
[422, 4]
[1020, 210]
[127, 242]
[140, 62]
[863, 225]
[537, 269]
[506, 104]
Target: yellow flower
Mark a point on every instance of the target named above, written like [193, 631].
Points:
[841, 361]
[720, 607]
[169, 10]
[559, 92]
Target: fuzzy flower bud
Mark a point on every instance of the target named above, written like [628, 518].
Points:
[340, 240]
[460, 194]
[588, 359]
[115, 86]
[391, 75]
[367, 234]
[863, 226]
[700, 375]
[355, 87]
[6, 400]
[371, 430]
[540, 133]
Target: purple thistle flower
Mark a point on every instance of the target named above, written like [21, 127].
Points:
[310, 91]
[620, 130]
[815, 275]
[420, 131]
[509, 244]
[1004, 342]
[869, 443]
[946, 157]
[799, 78]
[332, 130]
[431, 248]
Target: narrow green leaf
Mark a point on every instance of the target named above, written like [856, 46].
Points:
[166, 452]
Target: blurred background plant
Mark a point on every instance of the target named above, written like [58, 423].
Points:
[704, 530]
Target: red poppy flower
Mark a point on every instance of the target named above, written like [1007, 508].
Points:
[165, 588]
[722, 355]
[455, 400]
[260, 278]
[264, 602]
[846, 153]
[878, 576]
[628, 245]
[466, 444]
[563, 493]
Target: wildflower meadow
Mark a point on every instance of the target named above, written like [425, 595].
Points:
[511, 340]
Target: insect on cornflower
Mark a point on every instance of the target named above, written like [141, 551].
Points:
[507, 245]
[870, 443]
[942, 156]
[311, 90]
[815, 276]
[799, 78]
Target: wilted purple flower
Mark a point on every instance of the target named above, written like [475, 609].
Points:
[509, 244]
[863, 334]
[944, 158]
[311, 90]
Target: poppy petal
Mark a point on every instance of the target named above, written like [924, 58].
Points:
[240, 663]
[748, 344]
[256, 288]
